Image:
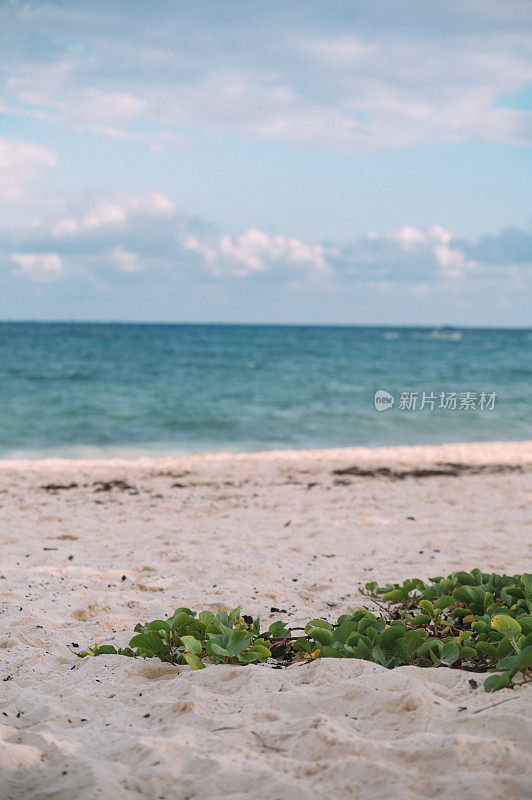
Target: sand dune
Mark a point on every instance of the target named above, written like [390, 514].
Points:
[108, 543]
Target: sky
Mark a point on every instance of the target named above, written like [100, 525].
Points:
[299, 162]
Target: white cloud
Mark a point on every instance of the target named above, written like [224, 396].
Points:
[255, 251]
[38, 266]
[126, 260]
[408, 237]
[439, 233]
[21, 163]
[48, 90]
[452, 261]
[115, 211]
[434, 243]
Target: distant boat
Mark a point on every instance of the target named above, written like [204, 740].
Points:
[445, 334]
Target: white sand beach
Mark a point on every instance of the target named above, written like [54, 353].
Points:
[113, 542]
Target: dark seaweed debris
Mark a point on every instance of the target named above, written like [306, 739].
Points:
[453, 470]
[57, 487]
[107, 486]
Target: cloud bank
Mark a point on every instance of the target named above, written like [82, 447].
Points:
[142, 238]
[359, 77]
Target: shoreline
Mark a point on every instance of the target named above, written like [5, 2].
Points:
[519, 451]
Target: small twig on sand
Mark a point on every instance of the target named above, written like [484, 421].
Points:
[374, 601]
[507, 700]
[268, 746]
[227, 728]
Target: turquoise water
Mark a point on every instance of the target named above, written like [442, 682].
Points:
[116, 389]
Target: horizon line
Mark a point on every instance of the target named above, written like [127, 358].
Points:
[221, 323]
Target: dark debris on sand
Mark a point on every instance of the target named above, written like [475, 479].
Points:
[445, 469]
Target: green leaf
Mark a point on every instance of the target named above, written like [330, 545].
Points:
[414, 638]
[379, 656]
[263, 651]
[344, 630]
[193, 660]
[496, 682]
[431, 645]
[321, 635]
[179, 619]
[248, 657]
[421, 619]
[302, 644]
[318, 623]
[444, 601]
[525, 621]
[126, 651]
[487, 648]
[335, 652]
[158, 625]
[148, 643]
[525, 658]
[389, 635]
[221, 627]
[464, 578]
[223, 617]
[473, 596]
[216, 650]
[449, 654]
[344, 618]
[504, 648]
[506, 625]
[517, 592]
[479, 627]
[192, 645]
[366, 620]
[371, 633]
[460, 612]
[277, 629]
[395, 596]
[238, 641]
[402, 649]
[508, 662]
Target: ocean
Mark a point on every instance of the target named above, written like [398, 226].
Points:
[87, 390]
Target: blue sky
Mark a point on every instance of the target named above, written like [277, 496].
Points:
[274, 162]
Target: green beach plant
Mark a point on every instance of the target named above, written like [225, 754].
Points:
[476, 621]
